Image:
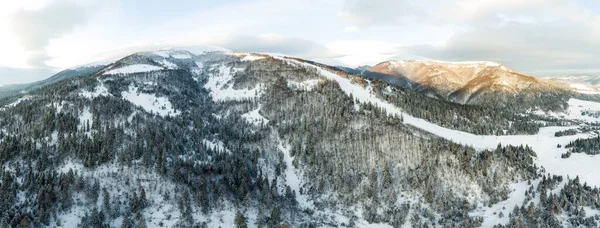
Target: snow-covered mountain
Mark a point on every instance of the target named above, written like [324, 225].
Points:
[174, 138]
[583, 84]
[473, 82]
[11, 90]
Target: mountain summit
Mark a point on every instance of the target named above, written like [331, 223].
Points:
[472, 82]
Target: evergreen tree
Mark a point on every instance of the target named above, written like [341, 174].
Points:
[240, 220]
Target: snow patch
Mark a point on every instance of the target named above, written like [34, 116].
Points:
[167, 64]
[250, 57]
[575, 111]
[99, 90]
[254, 117]
[221, 86]
[292, 177]
[69, 165]
[85, 118]
[515, 198]
[150, 102]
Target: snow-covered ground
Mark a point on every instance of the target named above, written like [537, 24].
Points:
[99, 90]
[575, 111]
[292, 177]
[247, 56]
[221, 86]
[136, 68]
[252, 58]
[85, 118]
[254, 117]
[491, 214]
[150, 102]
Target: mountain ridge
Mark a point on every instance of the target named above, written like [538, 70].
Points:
[469, 82]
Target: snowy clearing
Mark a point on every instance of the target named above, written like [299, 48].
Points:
[221, 86]
[85, 118]
[99, 90]
[150, 102]
[255, 118]
[292, 177]
[575, 111]
[136, 68]
[248, 56]
[515, 198]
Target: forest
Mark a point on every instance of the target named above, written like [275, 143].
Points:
[101, 161]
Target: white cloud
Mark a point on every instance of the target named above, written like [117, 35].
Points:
[363, 52]
[529, 35]
[526, 35]
[367, 13]
[266, 43]
[351, 29]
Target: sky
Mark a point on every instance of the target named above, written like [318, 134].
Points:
[540, 37]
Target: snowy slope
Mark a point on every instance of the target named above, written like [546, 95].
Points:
[99, 90]
[221, 86]
[150, 102]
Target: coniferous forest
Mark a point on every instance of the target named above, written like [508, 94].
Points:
[269, 142]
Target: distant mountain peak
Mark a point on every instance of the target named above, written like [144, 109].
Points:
[465, 82]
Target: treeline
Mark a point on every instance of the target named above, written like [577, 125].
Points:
[589, 146]
[565, 133]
